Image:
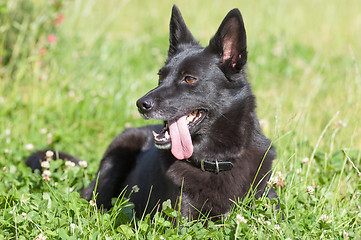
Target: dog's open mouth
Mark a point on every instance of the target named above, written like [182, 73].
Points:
[176, 135]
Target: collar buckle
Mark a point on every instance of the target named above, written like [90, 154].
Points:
[202, 165]
[217, 166]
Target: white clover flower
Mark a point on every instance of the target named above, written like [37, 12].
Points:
[7, 132]
[6, 150]
[273, 180]
[49, 154]
[278, 179]
[240, 219]
[73, 226]
[29, 147]
[71, 94]
[24, 215]
[45, 164]
[40, 237]
[83, 164]
[280, 175]
[340, 124]
[46, 175]
[267, 223]
[49, 138]
[69, 164]
[305, 160]
[43, 131]
[277, 227]
[5, 169]
[324, 217]
[135, 188]
[310, 190]
[92, 203]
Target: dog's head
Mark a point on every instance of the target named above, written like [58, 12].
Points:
[197, 85]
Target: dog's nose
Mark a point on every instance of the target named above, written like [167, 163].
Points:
[145, 105]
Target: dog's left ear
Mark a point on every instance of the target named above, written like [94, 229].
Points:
[230, 41]
[179, 34]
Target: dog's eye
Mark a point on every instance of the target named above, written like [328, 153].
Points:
[190, 79]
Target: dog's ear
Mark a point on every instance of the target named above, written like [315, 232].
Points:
[230, 41]
[179, 34]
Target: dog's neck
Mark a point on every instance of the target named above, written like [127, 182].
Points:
[214, 166]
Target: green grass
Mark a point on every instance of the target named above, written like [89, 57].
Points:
[304, 66]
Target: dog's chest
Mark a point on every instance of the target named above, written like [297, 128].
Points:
[206, 191]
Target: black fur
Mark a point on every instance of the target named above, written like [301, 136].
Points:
[230, 129]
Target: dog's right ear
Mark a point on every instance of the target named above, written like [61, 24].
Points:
[179, 34]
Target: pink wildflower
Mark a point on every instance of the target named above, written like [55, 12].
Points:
[42, 51]
[58, 19]
[52, 38]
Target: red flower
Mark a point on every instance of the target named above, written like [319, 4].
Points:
[58, 19]
[42, 51]
[52, 38]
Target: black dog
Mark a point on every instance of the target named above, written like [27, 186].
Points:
[210, 147]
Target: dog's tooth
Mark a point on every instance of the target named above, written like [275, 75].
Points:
[166, 135]
[155, 134]
[190, 118]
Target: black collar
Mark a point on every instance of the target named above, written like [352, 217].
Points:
[212, 166]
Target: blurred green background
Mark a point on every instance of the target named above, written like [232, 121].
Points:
[72, 70]
[303, 65]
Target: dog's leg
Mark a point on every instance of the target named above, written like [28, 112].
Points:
[35, 159]
[117, 163]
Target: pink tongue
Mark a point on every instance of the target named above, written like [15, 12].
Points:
[182, 147]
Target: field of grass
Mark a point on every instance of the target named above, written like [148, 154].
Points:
[71, 71]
